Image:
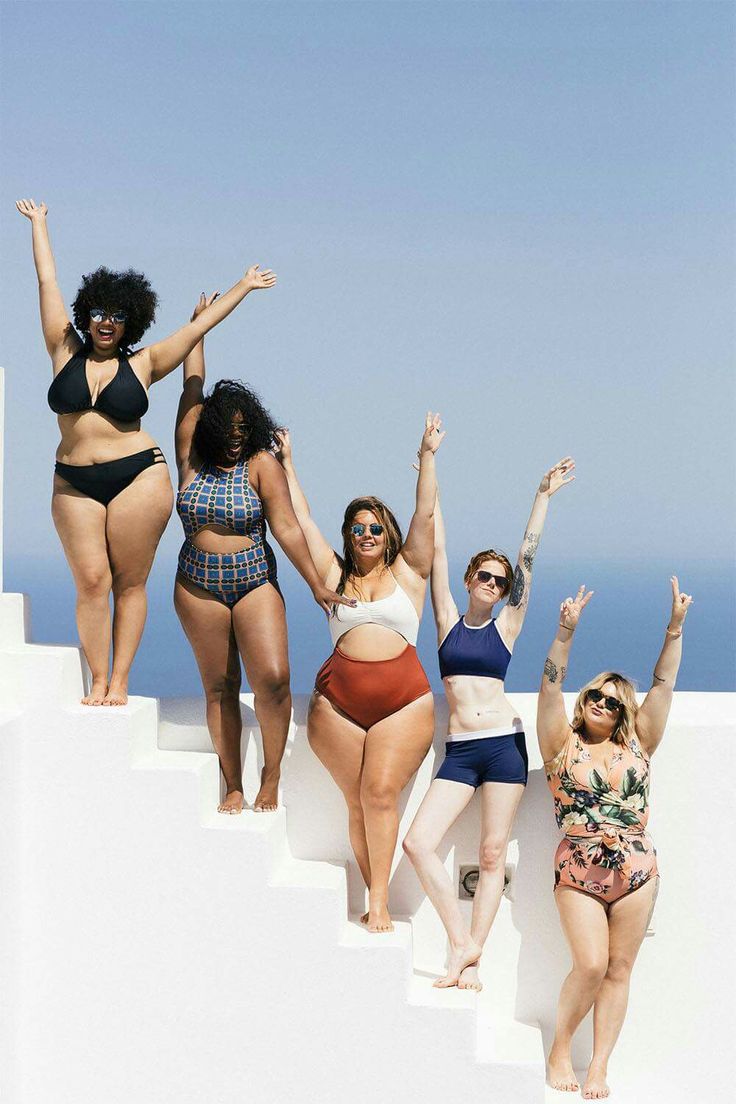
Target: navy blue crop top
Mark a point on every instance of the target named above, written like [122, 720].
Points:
[467, 651]
[124, 398]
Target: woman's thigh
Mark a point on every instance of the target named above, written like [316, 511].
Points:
[136, 519]
[440, 808]
[395, 747]
[208, 626]
[499, 802]
[338, 743]
[80, 523]
[628, 919]
[585, 925]
[259, 623]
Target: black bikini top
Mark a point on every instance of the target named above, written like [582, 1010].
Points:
[124, 398]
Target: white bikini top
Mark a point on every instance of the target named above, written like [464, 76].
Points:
[396, 611]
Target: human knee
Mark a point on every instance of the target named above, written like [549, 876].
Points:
[124, 585]
[272, 686]
[415, 848]
[94, 582]
[492, 855]
[619, 968]
[592, 969]
[224, 688]
[378, 796]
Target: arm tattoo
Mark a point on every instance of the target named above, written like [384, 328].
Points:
[518, 588]
[531, 544]
[551, 671]
[656, 678]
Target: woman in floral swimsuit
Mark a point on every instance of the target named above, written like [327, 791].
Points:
[606, 874]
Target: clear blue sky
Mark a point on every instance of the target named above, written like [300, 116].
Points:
[520, 214]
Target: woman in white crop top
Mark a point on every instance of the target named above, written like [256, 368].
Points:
[371, 717]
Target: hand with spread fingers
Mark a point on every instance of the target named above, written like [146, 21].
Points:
[256, 279]
[571, 608]
[283, 440]
[557, 476]
[30, 209]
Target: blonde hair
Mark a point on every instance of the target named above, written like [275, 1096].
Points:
[490, 554]
[391, 531]
[625, 724]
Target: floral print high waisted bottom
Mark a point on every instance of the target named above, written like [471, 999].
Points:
[607, 866]
[606, 850]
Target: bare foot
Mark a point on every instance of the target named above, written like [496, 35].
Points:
[117, 693]
[232, 804]
[595, 1087]
[460, 957]
[560, 1074]
[469, 978]
[97, 692]
[267, 799]
[378, 919]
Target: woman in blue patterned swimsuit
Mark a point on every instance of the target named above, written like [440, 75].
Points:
[226, 594]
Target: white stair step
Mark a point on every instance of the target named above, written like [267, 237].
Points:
[356, 934]
[423, 992]
[305, 874]
[502, 1039]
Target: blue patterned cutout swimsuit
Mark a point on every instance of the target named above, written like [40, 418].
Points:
[219, 497]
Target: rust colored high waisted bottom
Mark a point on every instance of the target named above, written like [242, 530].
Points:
[368, 691]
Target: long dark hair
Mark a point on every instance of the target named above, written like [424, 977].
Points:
[211, 434]
[391, 529]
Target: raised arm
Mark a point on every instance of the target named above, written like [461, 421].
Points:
[552, 722]
[273, 490]
[164, 356]
[511, 618]
[58, 333]
[320, 551]
[418, 548]
[445, 611]
[192, 391]
[654, 710]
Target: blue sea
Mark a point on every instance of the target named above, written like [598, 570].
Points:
[622, 629]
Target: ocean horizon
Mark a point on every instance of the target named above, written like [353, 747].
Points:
[622, 628]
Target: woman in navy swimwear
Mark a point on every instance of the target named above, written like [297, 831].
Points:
[226, 594]
[485, 743]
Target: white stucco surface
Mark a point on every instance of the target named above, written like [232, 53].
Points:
[153, 951]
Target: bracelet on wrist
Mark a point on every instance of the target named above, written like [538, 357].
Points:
[570, 628]
[674, 635]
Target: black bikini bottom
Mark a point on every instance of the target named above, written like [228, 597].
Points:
[104, 481]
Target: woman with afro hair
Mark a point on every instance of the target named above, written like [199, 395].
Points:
[112, 494]
[226, 593]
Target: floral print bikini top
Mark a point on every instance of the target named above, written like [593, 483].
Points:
[588, 803]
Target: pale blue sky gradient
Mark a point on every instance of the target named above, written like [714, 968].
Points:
[520, 214]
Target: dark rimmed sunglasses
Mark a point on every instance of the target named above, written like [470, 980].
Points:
[359, 529]
[485, 577]
[612, 704]
[97, 314]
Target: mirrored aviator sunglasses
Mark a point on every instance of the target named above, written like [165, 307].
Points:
[359, 529]
[98, 314]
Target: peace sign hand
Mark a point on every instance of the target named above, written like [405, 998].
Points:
[432, 437]
[557, 477]
[256, 279]
[203, 302]
[571, 608]
[680, 603]
[30, 210]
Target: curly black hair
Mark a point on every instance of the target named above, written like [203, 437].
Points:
[211, 434]
[129, 291]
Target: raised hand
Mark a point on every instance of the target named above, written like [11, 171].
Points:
[203, 302]
[257, 279]
[571, 608]
[283, 440]
[680, 603]
[557, 477]
[432, 437]
[30, 210]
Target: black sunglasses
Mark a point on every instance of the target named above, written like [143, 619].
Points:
[359, 529]
[97, 314]
[612, 704]
[485, 577]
